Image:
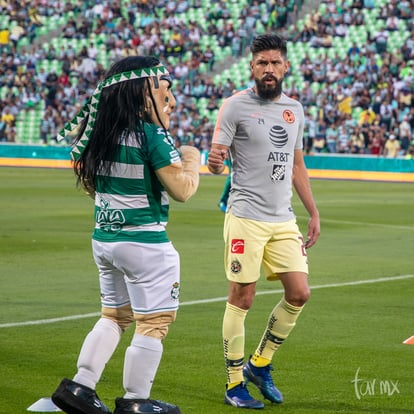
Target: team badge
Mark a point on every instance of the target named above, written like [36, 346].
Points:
[237, 246]
[235, 266]
[288, 116]
[175, 291]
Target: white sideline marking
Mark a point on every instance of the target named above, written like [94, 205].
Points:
[212, 300]
[361, 223]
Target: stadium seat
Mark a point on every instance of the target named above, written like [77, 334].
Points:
[237, 69]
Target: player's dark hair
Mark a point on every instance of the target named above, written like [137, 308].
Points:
[269, 41]
[121, 112]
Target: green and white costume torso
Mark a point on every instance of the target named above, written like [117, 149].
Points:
[131, 204]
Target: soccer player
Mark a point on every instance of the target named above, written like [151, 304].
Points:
[125, 158]
[261, 129]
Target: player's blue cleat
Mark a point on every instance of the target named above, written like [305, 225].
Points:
[260, 376]
[239, 397]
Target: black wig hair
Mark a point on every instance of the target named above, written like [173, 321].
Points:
[121, 111]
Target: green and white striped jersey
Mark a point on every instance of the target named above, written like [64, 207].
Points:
[131, 203]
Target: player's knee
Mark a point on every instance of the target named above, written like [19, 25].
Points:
[154, 324]
[242, 294]
[298, 297]
[123, 316]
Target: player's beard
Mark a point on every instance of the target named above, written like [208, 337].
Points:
[266, 91]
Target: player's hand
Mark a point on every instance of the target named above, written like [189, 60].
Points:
[216, 159]
[314, 230]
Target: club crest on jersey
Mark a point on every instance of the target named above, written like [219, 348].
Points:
[288, 116]
[278, 136]
[235, 266]
[237, 246]
[278, 173]
[175, 291]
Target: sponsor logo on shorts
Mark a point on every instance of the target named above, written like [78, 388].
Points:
[237, 246]
[175, 291]
[235, 266]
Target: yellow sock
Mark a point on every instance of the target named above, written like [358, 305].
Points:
[232, 385]
[281, 322]
[233, 343]
[259, 361]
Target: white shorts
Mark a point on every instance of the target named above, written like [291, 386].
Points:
[146, 276]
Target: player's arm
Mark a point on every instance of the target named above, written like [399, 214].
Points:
[181, 179]
[223, 134]
[302, 186]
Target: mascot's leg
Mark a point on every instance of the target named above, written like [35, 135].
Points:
[101, 343]
[142, 359]
[143, 356]
[78, 396]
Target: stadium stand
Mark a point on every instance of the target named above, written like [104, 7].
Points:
[352, 63]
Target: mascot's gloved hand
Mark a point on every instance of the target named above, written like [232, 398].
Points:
[181, 179]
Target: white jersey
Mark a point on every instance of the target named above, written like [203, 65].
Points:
[262, 136]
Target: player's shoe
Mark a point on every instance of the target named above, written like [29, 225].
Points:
[260, 376]
[74, 398]
[144, 406]
[239, 397]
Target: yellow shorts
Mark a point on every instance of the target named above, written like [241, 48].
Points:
[249, 244]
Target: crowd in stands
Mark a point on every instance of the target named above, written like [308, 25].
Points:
[357, 102]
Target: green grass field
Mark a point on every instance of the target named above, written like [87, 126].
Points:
[344, 356]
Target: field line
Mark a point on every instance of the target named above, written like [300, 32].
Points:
[212, 300]
[362, 223]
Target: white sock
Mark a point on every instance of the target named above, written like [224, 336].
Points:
[142, 359]
[97, 349]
